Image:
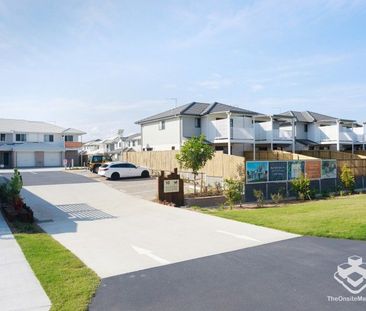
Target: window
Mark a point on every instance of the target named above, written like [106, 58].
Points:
[305, 128]
[2, 137]
[48, 138]
[197, 122]
[20, 137]
[162, 125]
[69, 138]
[173, 147]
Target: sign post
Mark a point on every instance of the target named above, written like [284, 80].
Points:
[171, 188]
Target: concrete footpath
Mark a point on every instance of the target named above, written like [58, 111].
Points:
[19, 287]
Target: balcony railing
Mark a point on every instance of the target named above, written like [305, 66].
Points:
[239, 133]
[73, 144]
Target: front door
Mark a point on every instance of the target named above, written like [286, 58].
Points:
[6, 159]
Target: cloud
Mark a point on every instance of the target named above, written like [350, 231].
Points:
[258, 19]
[216, 82]
[256, 87]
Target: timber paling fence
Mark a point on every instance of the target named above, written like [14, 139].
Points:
[221, 166]
[224, 166]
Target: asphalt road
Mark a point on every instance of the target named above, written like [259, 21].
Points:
[294, 274]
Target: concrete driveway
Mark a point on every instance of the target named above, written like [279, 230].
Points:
[144, 188]
[152, 258]
[116, 233]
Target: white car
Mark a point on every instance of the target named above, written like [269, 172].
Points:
[116, 170]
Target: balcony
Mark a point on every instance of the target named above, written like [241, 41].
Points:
[264, 132]
[329, 134]
[220, 129]
[73, 144]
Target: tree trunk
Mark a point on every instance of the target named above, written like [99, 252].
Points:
[194, 183]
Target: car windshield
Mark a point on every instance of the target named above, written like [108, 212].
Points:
[97, 159]
[105, 165]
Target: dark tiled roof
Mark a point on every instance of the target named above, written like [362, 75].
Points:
[196, 109]
[189, 109]
[218, 107]
[309, 116]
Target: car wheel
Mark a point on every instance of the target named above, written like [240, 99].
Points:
[145, 174]
[115, 176]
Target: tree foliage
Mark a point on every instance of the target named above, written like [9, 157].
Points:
[233, 192]
[347, 178]
[194, 154]
[302, 187]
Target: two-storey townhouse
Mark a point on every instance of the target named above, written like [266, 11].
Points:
[322, 132]
[37, 144]
[227, 128]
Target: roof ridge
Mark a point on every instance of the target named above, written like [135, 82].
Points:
[310, 113]
[209, 108]
[188, 106]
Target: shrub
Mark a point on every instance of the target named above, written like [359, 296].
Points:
[15, 186]
[258, 194]
[277, 197]
[233, 192]
[302, 187]
[347, 179]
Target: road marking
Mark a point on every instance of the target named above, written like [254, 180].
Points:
[148, 253]
[239, 236]
[33, 172]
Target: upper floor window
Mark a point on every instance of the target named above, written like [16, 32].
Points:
[48, 138]
[2, 137]
[20, 137]
[162, 125]
[197, 122]
[69, 138]
[305, 128]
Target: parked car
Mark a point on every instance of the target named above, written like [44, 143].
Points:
[96, 161]
[116, 170]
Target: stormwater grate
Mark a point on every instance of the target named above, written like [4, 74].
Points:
[83, 211]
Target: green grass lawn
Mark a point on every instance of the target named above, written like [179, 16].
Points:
[67, 281]
[343, 217]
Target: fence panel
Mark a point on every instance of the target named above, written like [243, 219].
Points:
[222, 165]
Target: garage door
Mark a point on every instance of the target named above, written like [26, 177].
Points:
[52, 159]
[26, 159]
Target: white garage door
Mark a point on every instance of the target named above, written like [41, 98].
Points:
[52, 159]
[26, 159]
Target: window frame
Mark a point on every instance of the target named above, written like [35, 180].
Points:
[49, 140]
[162, 125]
[21, 135]
[66, 139]
[197, 123]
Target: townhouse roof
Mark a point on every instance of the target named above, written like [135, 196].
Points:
[196, 109]
[132, 136]
[26, 126]
[310, 116]
[93, 142]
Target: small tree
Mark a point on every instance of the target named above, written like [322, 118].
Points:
[15, 185]
[233, 192]
[258, 194]
[347, 178]
[194, 154]
[302, 187]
